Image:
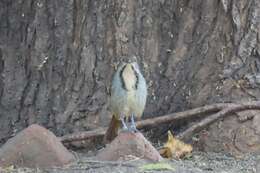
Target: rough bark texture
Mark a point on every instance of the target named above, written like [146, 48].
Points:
[57, 57]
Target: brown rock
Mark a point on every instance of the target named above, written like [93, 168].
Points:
[128, 145]
[34, 147]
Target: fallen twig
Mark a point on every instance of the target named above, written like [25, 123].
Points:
[79, 136]
[182, 115]
[220, 110]
[185, 135]
[105, 163]
[149, 122]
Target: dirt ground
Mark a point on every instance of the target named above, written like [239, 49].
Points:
[198, 163]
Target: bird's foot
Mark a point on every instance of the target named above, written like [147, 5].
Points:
[133, 129]
[124, 128]
[133, 126]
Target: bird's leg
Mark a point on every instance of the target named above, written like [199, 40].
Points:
[125, 128]
[133, 125]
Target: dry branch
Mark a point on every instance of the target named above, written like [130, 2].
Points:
[222, 110]
[79, 136]
[151, 122]
[185, 135]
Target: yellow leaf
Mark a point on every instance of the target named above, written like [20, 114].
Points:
[157, 166]
[174, 148]
[7, 169]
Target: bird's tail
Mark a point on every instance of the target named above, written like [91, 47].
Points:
[112, 130]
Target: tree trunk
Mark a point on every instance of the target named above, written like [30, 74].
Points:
[57, 57]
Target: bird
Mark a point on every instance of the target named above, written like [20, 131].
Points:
[127, 99]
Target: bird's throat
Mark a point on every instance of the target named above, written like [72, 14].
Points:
[129, 77]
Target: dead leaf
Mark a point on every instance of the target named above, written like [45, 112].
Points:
[174, 148]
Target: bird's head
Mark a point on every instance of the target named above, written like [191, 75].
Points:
[130, 61]
[129, 72]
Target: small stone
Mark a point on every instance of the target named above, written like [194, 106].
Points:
[34, 147]
[129, 144]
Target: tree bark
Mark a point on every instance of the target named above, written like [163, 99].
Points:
[57, 57]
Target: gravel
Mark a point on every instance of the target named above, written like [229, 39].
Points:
[199, 162]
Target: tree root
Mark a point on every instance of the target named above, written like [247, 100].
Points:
[218, 111]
